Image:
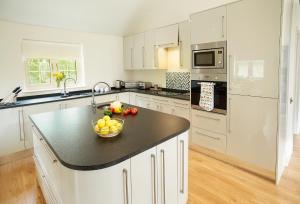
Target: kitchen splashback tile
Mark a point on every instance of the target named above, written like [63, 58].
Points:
[178, 80]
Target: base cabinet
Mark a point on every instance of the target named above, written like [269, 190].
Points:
[253, 130]
[144, 169]
[11, 131]
[167, 172]
[182, 170]
[158, 175]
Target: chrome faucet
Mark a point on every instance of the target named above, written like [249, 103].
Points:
[65, 85]
[93, 92]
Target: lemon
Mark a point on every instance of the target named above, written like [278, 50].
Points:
[106, 118]
[104, 130]
[114, 122]
[113, 129]
[108, 123]
[97, 129]
[101, 123]
[119, 126]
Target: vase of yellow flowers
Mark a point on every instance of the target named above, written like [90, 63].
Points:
[59, 76]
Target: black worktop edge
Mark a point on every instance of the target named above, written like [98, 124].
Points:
[112, 163]
[114, 91]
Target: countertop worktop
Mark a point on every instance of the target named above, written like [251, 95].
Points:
[48, 98]
[70, 135]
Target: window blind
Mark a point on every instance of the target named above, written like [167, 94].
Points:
[53, 50]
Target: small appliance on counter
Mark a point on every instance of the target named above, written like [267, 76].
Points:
[144, 85]
[119, 84]
[131, 84]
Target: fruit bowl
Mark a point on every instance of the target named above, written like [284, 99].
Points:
[111, 129]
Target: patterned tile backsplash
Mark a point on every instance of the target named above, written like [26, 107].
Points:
[178, 80]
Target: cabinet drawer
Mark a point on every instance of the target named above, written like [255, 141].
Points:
[158, 99]
[48, 162]
[106, 98]
[42, 179]
[181, 103]
[209, 139]
[209, 121]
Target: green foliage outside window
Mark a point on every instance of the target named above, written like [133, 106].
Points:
[40, 70]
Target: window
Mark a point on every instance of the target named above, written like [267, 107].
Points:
[43, 60]
[40, 70]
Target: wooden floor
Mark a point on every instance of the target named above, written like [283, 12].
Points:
[210, 181]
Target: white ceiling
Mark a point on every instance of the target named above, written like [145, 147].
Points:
[117, 17]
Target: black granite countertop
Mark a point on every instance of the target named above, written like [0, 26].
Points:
[48, 98]
[69, 133]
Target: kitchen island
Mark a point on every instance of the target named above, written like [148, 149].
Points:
[146, 163]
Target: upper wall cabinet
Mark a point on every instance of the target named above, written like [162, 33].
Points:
[128, 52]
[167, 36]
[253, 34]
[185, 45]
[209, 26]
[134, 51]
[150, 49]
[139, 51]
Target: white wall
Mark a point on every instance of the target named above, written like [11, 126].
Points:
[157, 13]
[103, 54]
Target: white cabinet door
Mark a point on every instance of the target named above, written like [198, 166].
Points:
[185, 45]
[253, 47]
[181, 112]
[105, 98]
[132, 98]
[182, 152]
[144, 177]
[139, 51]
[165, 108]
[110, 185]
[167, 174]
[35, 109]
[253, 130]
[143, 102]
[124, 97]
[77, 102]
[209, 26]
[150, 49]
[128, 52]
[11, 131]
[167, 35]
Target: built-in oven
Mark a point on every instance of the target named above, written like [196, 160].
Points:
[209, 58]
[220, 95]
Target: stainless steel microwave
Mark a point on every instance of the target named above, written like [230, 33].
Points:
[209, 58]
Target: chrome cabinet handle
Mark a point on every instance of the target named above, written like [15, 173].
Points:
[229, 110]
[230, 57]
[182, 104]
[180, 53]
[125, 186]
[182, 167]
[131, 57]
[163, 186]
[21, 131]
[223, 34]
[153, 178]
[215, 138]
[143, 51]
[201, 116]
